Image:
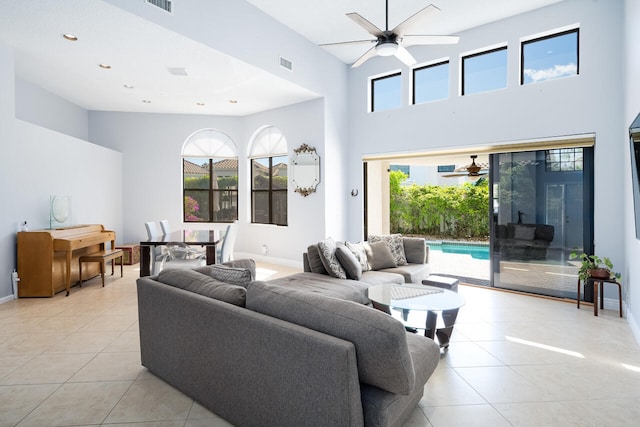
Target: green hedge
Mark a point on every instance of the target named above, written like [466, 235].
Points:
[452, 211]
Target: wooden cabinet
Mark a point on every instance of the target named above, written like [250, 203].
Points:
[48, 259]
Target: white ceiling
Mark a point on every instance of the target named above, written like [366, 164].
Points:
[325, 21]
[141, 53]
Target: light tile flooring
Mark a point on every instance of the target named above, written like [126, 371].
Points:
[514, 360]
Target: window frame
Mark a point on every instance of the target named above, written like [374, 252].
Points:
[476, 54]
[372, 82]
[424, 67]
[270, 192]
[555, 33]
[210, 194]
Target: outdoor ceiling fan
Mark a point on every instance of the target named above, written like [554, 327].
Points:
[472, 170]
[394, 42]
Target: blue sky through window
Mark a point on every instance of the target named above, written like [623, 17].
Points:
[485, 71]
[431, 83]
[387, 92]
[550, 58]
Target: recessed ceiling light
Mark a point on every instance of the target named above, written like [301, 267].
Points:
[233, 101]
[200, 104]
[128, 86]
[70, 37]
[105, 66]
[146, 101]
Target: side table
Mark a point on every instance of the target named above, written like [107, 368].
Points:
[601, 283]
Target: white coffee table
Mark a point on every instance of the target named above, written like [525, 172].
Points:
[417, 297]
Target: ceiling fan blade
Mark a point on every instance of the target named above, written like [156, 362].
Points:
[367, 55]
[348, 43]
[414, 20]
[360, 20]
[403, 55]
[412, 40]
[454, 175]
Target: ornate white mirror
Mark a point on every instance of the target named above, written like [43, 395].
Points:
[305, 170]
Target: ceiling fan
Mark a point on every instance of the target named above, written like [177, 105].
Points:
[472, 170]
[394, 42]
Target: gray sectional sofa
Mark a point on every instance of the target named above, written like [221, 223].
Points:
[288, 353]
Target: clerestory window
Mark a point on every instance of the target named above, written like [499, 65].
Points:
[550, 57]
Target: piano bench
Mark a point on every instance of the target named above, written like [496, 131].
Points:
[102, 257]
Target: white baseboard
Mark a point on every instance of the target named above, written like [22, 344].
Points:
[632, 323]
[6, 299]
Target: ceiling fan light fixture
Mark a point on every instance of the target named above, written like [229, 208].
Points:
[386, 48]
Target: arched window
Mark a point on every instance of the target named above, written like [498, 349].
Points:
[269, 164]
[210, 177]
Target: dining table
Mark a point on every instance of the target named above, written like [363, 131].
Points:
[206, 238]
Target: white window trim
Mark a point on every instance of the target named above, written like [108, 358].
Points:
[463, 55]
[446, 59]
[370, 79]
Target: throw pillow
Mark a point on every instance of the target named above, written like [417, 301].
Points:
[379, 256]
[360, 253]
[327, 250]
[231, 275]
[315, 261]
[395, 244]
[523, 232]
[349, 262]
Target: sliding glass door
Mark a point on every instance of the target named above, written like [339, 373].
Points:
[542, 211]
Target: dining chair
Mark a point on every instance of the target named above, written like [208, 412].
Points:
[166, 229]
[156, 251]
[228, 242]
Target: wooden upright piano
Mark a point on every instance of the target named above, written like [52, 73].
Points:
[48, 259]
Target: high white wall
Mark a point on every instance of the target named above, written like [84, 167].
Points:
[632, 108]
[40, 107]
[37, 162]
[300, 123]
[589, 103]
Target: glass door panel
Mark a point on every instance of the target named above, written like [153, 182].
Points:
[539, 218]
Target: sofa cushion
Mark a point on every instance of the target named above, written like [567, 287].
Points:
[231, 275]
[379, 256]
[380, 340]
[383, 277]
[349, 262]
[415, 250]
[193, 281]
[327, 250]
[395, 243]
[315, 261]
[323, 284]
[360, 253]
[412, 273]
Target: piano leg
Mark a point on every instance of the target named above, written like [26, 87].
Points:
[68, 275]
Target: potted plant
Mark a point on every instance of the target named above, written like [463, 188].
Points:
[595, 267]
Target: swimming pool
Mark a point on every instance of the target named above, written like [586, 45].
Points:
[477, 251]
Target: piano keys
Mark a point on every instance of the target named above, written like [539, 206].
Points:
[48, 259]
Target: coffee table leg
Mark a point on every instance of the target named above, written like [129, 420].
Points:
[430, 327]
[444, 334]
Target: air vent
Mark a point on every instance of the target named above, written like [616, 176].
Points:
[285, 63]
[162, 4]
